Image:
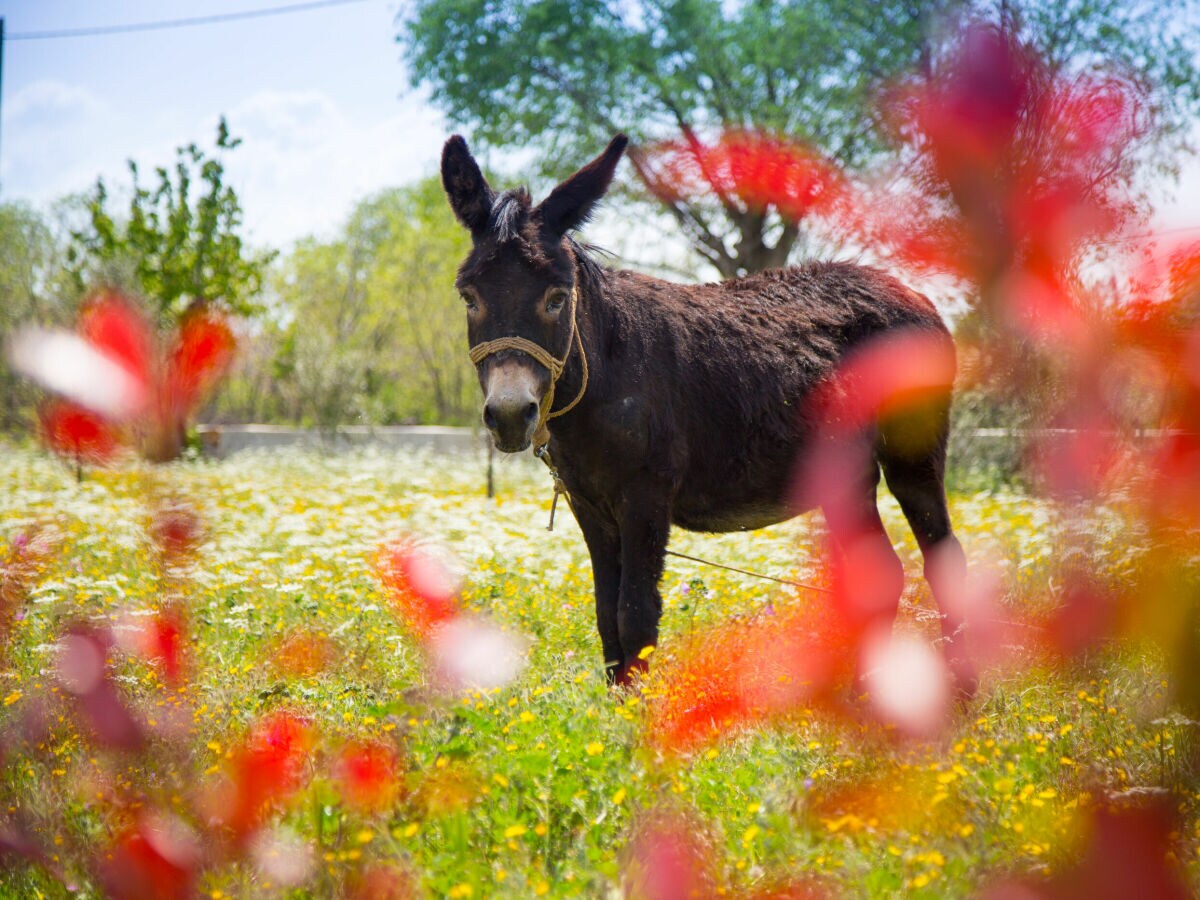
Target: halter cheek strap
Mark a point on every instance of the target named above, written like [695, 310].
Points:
[480, 352]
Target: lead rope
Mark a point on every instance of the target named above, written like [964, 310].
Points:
[560, 487]
[543, 453]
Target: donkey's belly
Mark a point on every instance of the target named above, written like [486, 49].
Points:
[738, 488]
[745, 519]
[702, 511]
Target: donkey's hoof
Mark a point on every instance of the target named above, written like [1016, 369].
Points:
[630, 673]
[966, 679]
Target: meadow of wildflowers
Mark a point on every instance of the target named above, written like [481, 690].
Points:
[303, 744]
[306, 675]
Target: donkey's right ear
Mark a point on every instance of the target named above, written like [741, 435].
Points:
[469, 194]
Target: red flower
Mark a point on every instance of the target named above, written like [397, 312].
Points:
[82, 670]
[420, 585]
[176, 530]
[114, 327]
[1126, 853]
[115, 373]
[383, 882]
[668, 857]
[304, 653]
[757, 170]
[265, 770]
[157, 858]
[200, 354]
[367, 774]
[163, 641]
[741, 674]
[72, 431]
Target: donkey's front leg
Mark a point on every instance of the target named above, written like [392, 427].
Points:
[645, 529]
[604, 547]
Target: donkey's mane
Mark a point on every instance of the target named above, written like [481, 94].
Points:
[509, 214]
[587, 269]
[510, 223]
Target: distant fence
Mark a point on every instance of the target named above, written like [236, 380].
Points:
[223, 440]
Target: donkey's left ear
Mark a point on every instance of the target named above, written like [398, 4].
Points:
[570, 204]
[468, 191]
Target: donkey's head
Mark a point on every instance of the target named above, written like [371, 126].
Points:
[518, 284]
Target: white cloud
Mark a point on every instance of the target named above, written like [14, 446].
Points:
[50, 98]
[302, 165]
[303, 162]
[44, 124]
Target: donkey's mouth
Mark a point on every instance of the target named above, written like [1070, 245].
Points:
[504, 446]
[511, 422]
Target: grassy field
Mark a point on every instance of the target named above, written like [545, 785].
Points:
[535, 788]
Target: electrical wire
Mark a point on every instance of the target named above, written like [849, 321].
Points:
[177, 23]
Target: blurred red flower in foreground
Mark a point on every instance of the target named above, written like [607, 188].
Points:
[1026, 158]
[420, 586]
[758, 170]
[82, 670]
[176, 530]
[265, 770]
[71, 430]
[159, 857]
[160, 639]
[1124, 855]
[368, 775]
[383, 882]
[464, 650]
[742, 673]
[670, 855]
[113, 374]
[304, 653]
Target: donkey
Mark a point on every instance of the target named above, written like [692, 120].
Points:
[664, 404]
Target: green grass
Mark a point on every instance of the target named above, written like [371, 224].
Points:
[536, 787]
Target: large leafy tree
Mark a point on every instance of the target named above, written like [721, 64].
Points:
[373, 330]
[562, 75]
[179, 243]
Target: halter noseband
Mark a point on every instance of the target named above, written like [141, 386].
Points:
[480, 352]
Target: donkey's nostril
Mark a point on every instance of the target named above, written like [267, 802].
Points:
[531, 411]
[489, 417]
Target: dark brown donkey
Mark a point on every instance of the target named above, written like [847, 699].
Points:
[675, 404]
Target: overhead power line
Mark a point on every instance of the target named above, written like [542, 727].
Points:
[177, 23]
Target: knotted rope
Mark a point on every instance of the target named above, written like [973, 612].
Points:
[481, 351]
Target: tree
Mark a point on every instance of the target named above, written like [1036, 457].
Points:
[32, 291]
[179, 245]
[414, 275]
[374, 331]
[564, 75]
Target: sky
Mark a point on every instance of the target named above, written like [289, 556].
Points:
[320, 98]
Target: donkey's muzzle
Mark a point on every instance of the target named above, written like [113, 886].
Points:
[511, 422]
[512, 394]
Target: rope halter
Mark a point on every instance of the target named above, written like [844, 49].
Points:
[481, 351]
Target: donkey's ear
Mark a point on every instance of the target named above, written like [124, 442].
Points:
[570, 204]
[469, 194]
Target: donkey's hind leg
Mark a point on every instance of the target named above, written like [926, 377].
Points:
[870, 574]
[918, 484]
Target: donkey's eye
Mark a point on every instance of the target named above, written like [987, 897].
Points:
[555, 300]
[470, 300]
